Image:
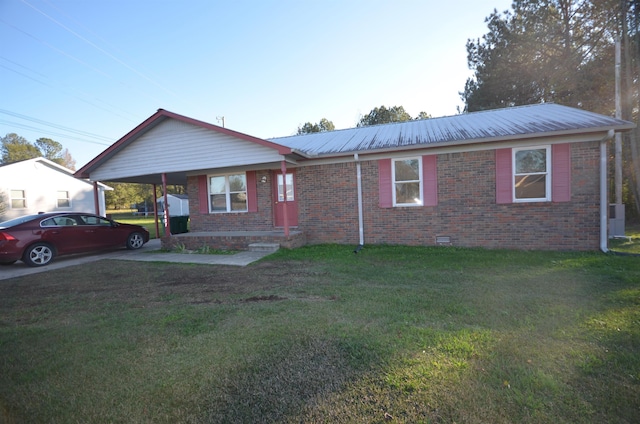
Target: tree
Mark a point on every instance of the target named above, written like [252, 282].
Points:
[630, 22]
[49, 148]
[423, 115]
[67, 160]
[3, 205]
[322, 126]
[16, 148]
[124, 195]
[54, 151]
[562, 51]
[382, 115]
[543, 51]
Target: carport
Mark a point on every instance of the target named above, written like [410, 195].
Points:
[167, 148]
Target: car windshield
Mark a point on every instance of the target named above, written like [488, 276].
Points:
[15, 221]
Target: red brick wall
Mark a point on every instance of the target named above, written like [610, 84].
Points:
[466, 210]
[328, 203]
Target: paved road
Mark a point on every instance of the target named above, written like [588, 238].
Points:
[148, 253]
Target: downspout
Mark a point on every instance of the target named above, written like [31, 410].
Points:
[283, 169]
[604, 234]
[360, 213]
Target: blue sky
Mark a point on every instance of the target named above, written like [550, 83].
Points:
[86, 72]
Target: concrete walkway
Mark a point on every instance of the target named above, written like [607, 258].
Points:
[150, 252]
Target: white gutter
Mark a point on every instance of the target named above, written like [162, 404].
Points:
[360, 214]
[604, 204]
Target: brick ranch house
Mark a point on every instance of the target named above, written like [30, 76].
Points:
[529, 177]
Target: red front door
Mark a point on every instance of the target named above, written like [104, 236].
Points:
[291, 204]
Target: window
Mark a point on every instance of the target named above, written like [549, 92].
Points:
[228, 193]
[63, 200]
[51, 222]
[59, 221]
[393, 186]
[289, 181]
[531, 176]
[18, 199]
[95, 220]
[407, 182]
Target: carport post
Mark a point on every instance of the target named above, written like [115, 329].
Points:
[167, 223]
[155, 210]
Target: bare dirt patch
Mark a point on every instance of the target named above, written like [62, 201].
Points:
[147, 284]
[270, 298]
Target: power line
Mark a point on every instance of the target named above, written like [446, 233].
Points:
[45, 80]
[62, 52]
[25, 75]
[100, 49]
[78, 23]
[70, 56]
[49, 124]
[51, 133]
[128, 118]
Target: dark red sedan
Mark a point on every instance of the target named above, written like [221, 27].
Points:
[37, 239]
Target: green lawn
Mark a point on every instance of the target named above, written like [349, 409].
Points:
[629, 245]
[146, 221]
[320, 334]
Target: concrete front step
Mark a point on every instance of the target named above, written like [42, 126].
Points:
[264, 247]
[233, 240]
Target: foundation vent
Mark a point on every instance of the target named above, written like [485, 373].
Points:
[443, 240]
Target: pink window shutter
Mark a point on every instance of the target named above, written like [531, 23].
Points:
[561, 172]
[203, 194]
[430, 180]
[504, 176]
[252, 191]
[385, 183]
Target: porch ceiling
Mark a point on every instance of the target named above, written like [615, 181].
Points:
[173, 178]
[180, 178]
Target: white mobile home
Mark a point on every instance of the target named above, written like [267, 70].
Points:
[40, 185]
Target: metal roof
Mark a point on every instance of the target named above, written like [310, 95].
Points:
[516, 122]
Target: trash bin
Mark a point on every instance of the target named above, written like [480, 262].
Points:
[179, 224]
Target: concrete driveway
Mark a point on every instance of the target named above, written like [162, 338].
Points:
[150, 252]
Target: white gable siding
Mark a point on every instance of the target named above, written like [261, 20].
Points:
[175, 146]
[41, 184]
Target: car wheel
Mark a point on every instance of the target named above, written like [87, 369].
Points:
[39, 254]
[135, 241]
[8, 263]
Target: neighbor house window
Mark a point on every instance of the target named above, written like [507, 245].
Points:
[63, 200]
[18, 199]
[531, 174]
[407, 182]
[228, 193]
